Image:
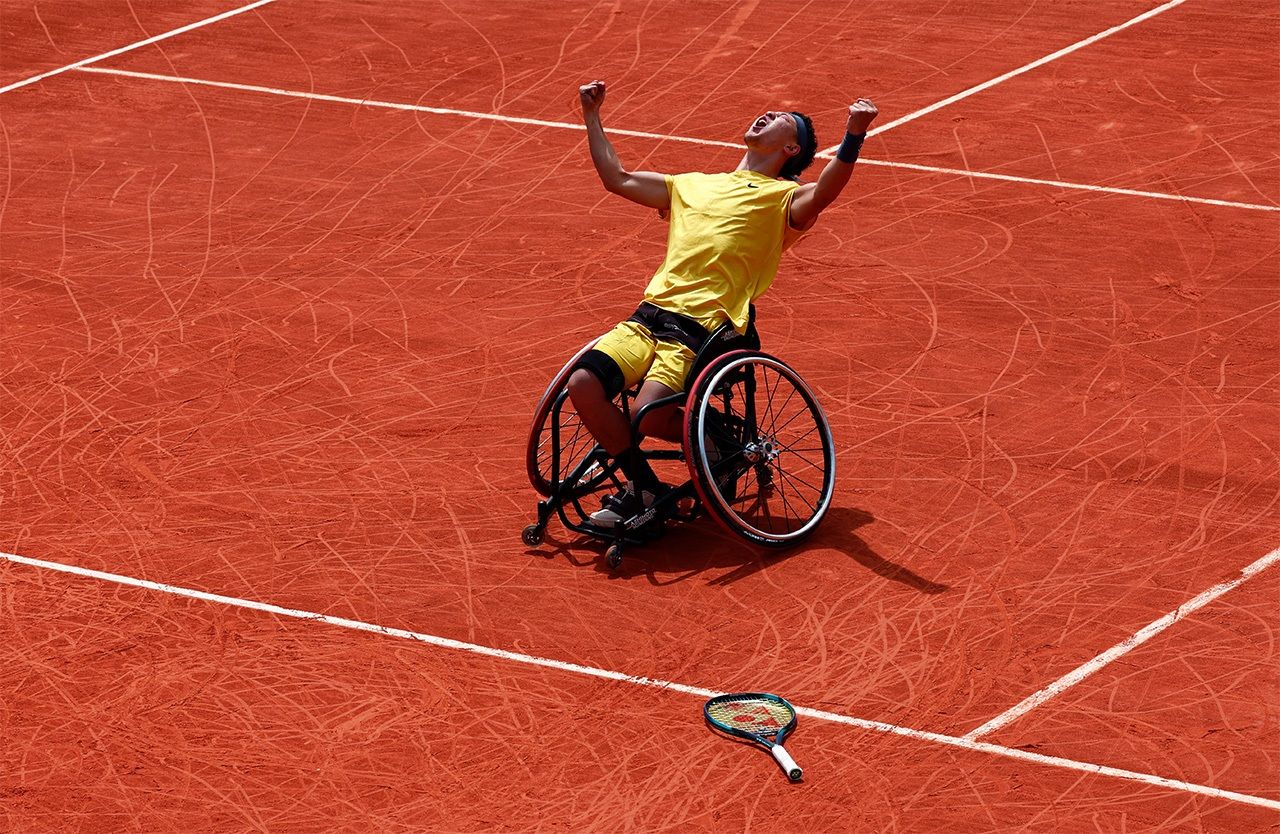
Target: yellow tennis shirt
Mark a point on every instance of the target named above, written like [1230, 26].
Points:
[727, 235]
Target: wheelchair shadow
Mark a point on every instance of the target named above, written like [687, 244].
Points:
[839, 532]
[687, 552]
[581, 553]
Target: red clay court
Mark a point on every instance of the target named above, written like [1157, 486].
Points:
[280, 285]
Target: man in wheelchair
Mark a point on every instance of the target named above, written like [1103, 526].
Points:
[727, 234]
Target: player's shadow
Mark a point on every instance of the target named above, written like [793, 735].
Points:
[688, 551]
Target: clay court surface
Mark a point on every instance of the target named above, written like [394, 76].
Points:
[284, 349]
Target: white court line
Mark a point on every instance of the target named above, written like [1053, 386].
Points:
[1020, 70]
[1075, 186]
[1124, 647]
[639, 680]
[494, 117]
[155, 38]
[393, 105]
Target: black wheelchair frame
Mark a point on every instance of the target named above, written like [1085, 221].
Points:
[724, 361]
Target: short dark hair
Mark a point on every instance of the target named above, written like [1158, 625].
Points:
[796, 164]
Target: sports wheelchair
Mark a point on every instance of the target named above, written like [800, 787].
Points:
[756, 443]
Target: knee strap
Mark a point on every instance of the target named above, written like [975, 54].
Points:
[603, 368]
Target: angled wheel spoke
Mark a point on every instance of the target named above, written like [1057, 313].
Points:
[819, 466]
[790, 479]
[800, 413]
[784, 507]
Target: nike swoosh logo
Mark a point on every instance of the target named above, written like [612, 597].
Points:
[752, 185]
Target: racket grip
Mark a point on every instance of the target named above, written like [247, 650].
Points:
[788, 764]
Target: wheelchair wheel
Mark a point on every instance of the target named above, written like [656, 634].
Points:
[576, 441]
[759, 449]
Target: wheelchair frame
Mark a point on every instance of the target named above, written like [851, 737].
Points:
[564, 491]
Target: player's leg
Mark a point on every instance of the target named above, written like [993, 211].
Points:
[667, 374]
[664, 423]
[619, 360]
[594, 404]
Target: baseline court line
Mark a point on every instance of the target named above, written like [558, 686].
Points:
[640, 680]
[1039, 62]
[154, 39]
[1074, 677]
[495, 117]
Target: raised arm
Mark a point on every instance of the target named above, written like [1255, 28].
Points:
[643, 187]
[811, 199]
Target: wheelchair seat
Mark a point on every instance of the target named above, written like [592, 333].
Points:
[722, 340]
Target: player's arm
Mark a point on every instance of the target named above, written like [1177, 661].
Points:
[643, 187]
[811, 199]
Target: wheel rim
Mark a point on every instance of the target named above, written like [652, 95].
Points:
[771, 460]
[576, 441]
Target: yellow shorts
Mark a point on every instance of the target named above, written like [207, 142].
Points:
[642, 356]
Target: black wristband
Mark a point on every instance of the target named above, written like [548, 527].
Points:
[850, 146]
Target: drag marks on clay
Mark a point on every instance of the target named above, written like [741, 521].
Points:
[1035, 382]
[72, 28]
[1147, 633]
[1169, 451]
[545, 665]
[1183, 104]
[644, 160]
[373, 408]
[1200, 698]
[198, 713]
[280, 50]
[1039, 62]
[531, 58]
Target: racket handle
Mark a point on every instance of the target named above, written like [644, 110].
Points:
[788, 764]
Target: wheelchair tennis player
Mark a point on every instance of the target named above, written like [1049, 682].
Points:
[727, 234]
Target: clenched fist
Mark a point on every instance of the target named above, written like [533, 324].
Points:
[592, 96]
[861, 113]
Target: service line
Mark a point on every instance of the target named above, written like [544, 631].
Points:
[1122, 648]
[154, 39]
[640, 680]
[519, 120]
[1039, 62]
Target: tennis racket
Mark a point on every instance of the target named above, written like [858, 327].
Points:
[760, 717]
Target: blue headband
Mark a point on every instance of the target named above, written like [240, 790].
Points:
[802, 132]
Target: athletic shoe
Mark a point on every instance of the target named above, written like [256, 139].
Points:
[624, 505]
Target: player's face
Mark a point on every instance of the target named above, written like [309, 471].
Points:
[772, 129]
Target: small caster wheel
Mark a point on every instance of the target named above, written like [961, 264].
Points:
[613, 557]
[532, 535]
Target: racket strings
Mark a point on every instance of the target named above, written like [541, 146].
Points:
[755, 715]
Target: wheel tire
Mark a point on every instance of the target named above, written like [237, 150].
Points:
[751, 375]
[613, 557]
[532, 535]
[539, 432]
